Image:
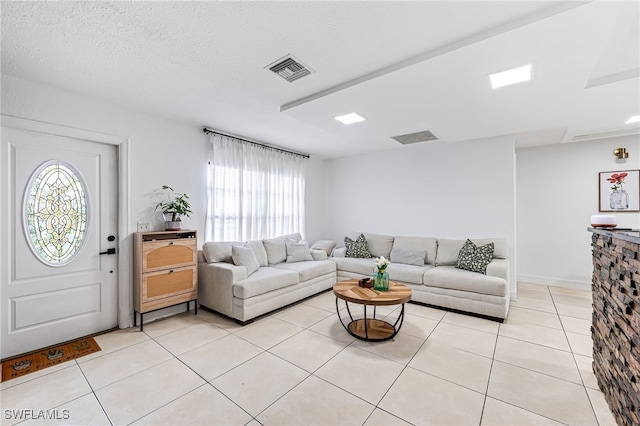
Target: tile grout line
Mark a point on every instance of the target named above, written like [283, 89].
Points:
[575, 361]
[377, 405]
[93, 392]
[493, 359]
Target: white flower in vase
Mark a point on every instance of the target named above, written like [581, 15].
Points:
[382, 263]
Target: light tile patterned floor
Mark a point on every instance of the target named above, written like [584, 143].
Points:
[298, 366]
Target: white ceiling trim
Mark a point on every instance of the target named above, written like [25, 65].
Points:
[464, 42]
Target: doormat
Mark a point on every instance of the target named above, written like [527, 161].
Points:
[47, 357]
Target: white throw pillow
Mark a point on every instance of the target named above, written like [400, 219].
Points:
[259, 251]
[244, 256]
[409, 257]
[297, 251]
[326, 245]
[276, 250]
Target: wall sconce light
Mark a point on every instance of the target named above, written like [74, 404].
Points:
[621, 153]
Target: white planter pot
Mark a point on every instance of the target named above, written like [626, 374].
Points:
[172, 226]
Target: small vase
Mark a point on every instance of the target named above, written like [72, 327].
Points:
[381, 281]
[619, 200]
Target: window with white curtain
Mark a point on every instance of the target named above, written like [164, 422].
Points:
[254, 192]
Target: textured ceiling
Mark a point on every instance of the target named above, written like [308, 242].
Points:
[406, 66]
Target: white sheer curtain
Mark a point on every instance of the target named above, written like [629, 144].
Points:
[254, 192]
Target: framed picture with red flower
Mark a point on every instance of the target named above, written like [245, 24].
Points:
[619, 191]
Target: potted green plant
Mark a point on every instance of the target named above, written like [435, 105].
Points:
[174, 208]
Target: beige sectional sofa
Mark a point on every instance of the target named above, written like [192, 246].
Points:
[228, 289]
[438, 282]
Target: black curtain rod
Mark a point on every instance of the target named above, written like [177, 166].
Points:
[256, 143]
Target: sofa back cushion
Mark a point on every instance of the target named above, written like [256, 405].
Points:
[379, 245]
[448, 250]
[276, 248]
[218, 251]
[429, 245]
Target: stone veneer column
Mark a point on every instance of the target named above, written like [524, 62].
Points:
[616, 321]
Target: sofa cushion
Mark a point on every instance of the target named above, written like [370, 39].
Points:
[339, 252]
[500, 249]
[276, 248]
[309, 269]
[411, 274]
[459, 279]
[430, 245]
[326, 245]
[379, 245]
[244, 256]
[408, 257]
[473, 258]
[264, 280]
[357, 248]
[259, 251]
[448, 249]
[358, 266]
[297, 251]
[218, 251]
[319, 254]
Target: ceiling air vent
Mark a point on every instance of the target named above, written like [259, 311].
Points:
[602, 135]
[289, 68]
[425, 136]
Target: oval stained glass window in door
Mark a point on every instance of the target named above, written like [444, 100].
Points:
[56, 213]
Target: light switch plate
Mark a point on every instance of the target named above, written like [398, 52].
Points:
[144, 227]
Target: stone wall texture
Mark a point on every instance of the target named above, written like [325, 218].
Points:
[616, 324]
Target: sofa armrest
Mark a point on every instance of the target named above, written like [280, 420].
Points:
[340, 252]
[319, 254]
[499, 268]
[215, 285]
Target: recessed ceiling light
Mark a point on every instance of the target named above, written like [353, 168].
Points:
[512, 76]
[350, 118]
[634, 119]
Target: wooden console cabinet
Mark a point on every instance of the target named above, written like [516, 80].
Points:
[165, 271]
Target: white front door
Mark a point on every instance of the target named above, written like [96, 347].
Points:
[59, 215]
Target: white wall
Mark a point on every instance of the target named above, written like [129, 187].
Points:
[557, 188]
[162, 151]
[315, 201]
[445, 190]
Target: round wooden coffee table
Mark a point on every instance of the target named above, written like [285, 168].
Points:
[371, 329]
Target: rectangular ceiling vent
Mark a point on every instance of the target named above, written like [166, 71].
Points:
[602, 135]
[289, 68]
[425, 136]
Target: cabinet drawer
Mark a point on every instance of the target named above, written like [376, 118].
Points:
[160, 284]
[169, 253]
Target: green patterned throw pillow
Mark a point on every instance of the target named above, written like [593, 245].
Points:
[474, 258]
[357, 248]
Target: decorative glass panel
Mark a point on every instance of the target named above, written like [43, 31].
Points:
[56, 213]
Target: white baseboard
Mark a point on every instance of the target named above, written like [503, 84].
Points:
[556, 282]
